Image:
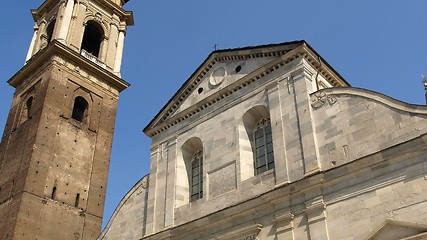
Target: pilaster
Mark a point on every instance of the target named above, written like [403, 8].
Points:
[280, 156]
[64, 21]
[119, 53]
[32, 44]
[112, 45]
[77, 36]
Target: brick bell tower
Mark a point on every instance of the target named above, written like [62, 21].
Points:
[55, 150]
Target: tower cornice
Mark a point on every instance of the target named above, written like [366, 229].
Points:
[55, 48]
[127, 16]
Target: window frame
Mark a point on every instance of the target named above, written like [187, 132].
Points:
[263, 150]
[196, 176]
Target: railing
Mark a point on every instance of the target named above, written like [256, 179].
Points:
[92, 58]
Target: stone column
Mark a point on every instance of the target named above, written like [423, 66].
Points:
[170, 182]
[38, 41]
[280, 157]
[284, 226]
[119, 53]
[299, 131]
[112, 47]
[316, 221]
[103, 49]
[315, 211]
[152, 192]
[306, 128]
[64, 22]
[77, 33]
[32, 44]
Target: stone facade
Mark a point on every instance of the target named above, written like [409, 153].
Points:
[348, 163]
[55, 150]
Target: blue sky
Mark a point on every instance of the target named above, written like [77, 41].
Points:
[378, 45]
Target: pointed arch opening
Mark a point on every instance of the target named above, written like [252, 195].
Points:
[80, 109]
[92, 38]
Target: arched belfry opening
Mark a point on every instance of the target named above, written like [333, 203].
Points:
[80, 109]
[49, 31]
[92, 38]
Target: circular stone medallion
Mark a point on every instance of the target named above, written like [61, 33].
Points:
[218, 76]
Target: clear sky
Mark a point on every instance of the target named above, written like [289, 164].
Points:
[378, 45]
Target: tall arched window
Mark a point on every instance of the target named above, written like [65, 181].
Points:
[80, 109]
[197, 176]
[92, 38]
[263, 147]
[255, 142]
[189, 182]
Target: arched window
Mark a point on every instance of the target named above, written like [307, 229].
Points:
[26, 112]
[28, 105]
[197, 176]
[263, 147]
[92, 38]
[255, 142]
[80, 109]
[189, 182]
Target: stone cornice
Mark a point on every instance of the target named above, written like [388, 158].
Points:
[167, 121]
[282, 58]
[55, 48]
[328, 93]
[325, 70]
[124, 15]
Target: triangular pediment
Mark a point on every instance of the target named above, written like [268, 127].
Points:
[225, 72]
[397, 230]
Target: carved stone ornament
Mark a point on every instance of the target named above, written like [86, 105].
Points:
[319, 99]
[142, 186]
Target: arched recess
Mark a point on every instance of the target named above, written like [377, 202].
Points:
[190, 172]
[92, 38]
[255, 121]
[47, 35]
[80, 109]
[26, 109]
[49, 31]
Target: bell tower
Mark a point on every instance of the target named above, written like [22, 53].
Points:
[55, 149]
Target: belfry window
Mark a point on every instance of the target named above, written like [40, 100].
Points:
[26, 111]
[92, 38]
[263, 147]
[49, 31]
[80, 109]
[197, 176]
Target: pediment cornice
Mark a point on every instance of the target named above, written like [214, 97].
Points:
[167, 118]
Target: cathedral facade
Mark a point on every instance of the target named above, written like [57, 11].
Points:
[263, 142]
[270, 142]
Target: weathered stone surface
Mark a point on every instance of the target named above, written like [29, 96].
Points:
[349, 163]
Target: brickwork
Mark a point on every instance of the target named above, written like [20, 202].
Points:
[55, 150]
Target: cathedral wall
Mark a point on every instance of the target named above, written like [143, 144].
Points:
[354, 201]
[129, 218]
[229, 176]
[352, 123]
[320, 141]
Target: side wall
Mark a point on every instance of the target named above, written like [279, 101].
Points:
[129, 219]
